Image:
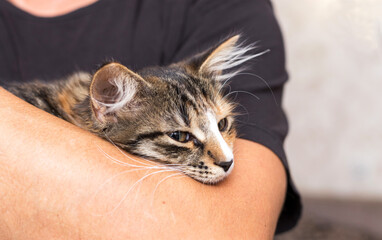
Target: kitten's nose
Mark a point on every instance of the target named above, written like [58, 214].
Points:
[224, 165]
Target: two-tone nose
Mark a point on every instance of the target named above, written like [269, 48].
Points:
[225, 165]
[218, 161]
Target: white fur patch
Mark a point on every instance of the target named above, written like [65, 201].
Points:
[223, 144]
[199, 134]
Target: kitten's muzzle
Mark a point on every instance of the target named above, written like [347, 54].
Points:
[225, 165]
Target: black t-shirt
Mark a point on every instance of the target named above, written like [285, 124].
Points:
[141, 33]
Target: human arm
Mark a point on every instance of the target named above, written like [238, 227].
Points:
[55, 183]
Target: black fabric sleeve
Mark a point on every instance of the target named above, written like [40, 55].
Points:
[259, 88]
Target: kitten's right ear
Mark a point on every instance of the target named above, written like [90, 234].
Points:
[112, 87]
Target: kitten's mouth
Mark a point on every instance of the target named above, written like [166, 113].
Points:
[208, 174]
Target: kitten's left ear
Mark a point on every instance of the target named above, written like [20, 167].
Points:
[227, 55]
[112, 87]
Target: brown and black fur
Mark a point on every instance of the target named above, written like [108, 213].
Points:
[159, 101]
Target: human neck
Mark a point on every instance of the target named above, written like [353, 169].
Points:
[50, 8]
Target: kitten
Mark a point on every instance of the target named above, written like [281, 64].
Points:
[173, 115]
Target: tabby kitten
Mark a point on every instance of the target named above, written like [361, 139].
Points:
[173, 115]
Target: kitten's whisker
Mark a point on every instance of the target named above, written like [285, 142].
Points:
[242, 92]
[110, 179]
[181, 176]
[225, 82]
[118, 161]
[164, 179]
[174, 168]
[263, 80]
[132, 187]
[174, 164]
[246, 110]
[128, 171]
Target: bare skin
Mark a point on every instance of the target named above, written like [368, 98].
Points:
[50, 8]
[56, 183]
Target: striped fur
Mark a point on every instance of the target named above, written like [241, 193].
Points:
[151, 112]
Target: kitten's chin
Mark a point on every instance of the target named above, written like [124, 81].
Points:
[218, 176]
[211, 181]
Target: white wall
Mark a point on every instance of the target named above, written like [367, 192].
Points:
[334, 96]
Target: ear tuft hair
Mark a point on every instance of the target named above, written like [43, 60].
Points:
[228, 55]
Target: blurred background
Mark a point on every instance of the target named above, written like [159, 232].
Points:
[334, 104]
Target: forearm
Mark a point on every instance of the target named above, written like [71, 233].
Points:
[55, 183]
[47, 169]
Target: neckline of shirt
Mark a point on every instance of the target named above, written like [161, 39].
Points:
[82, 11]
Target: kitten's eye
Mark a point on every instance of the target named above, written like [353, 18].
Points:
[222, 125]
[179, 136]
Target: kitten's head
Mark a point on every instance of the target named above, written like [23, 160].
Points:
[176, 115]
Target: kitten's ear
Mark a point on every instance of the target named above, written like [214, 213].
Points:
[112, 87]
[227, 55]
